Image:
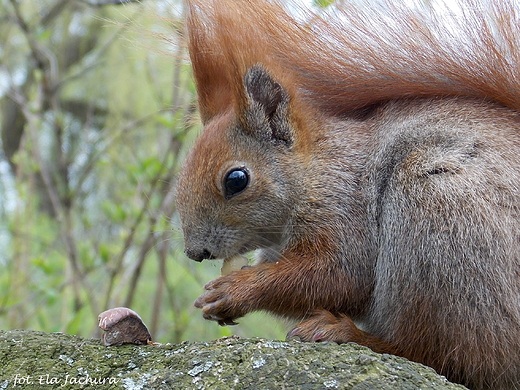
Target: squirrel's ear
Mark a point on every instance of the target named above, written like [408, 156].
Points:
[268, 104]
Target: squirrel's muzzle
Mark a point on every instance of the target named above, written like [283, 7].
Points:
[198, 254]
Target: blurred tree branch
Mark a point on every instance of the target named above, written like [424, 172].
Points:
[109, 2]
[36, 104]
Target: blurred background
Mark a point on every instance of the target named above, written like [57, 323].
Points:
[97, 111]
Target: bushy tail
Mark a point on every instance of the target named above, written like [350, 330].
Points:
[357, 55]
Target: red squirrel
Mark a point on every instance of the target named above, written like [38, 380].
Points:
[371, 155]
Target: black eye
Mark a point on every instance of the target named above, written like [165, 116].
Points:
[235, 181]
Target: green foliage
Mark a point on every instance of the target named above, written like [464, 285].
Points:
[96, 118]
[322, 3]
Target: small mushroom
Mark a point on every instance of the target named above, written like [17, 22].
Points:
[122, 325]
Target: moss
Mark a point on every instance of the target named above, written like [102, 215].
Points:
[32, 360]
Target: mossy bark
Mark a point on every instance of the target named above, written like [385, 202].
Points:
[36, 360]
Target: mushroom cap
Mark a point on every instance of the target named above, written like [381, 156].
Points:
[122, 325]
[110, 317]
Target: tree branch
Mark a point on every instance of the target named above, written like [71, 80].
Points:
[102, 3]
[53, 12]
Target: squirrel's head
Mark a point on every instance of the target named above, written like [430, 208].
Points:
[236, 191]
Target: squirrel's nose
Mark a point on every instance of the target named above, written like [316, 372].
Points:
[197, 254]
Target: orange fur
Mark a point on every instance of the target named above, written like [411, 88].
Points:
[359, 56]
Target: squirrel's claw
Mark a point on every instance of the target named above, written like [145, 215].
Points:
[227, 321]
[221, 321]
[219, 303]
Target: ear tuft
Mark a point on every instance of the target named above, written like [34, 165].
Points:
[262, 89]
[269, 102]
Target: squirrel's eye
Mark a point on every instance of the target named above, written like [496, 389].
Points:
[236, 181]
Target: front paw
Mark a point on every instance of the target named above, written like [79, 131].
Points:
[222, 301]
